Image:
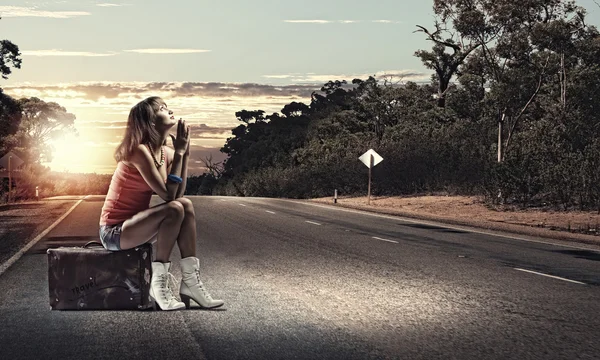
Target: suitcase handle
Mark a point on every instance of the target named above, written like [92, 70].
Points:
[93, 243]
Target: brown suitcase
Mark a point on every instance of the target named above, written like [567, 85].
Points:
[91, 277]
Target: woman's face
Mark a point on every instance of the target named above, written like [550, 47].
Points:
[164, 118]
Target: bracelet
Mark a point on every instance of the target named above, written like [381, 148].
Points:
[175, 178]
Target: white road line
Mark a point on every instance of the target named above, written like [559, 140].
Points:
[312, 222]
[242, 205]
[445, 225]
[551, 276]
[18, 255]
[270, 212]
[392, 241]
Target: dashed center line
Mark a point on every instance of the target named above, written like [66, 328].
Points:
[550, 276]
[378, 238]
[396, 242]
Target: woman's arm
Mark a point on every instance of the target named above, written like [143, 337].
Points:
[176, 166]
[143, 162]
[181, 189]
[184, 170]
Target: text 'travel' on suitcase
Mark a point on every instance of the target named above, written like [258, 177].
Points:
[91, 277]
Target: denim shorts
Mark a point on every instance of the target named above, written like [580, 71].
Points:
[110, 236]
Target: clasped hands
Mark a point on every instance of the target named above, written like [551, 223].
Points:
[181, 143]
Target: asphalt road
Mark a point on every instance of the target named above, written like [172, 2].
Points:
[303, 281]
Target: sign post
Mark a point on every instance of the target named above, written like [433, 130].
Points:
[8, 161]
[370, 159]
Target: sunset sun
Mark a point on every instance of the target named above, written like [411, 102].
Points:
[70, 153]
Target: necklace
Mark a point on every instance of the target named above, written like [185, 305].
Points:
[162, 156]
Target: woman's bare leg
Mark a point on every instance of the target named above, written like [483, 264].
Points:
[163, 220]
[187, 236]
[191, 288]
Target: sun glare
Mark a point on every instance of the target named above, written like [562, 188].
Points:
[72, 154]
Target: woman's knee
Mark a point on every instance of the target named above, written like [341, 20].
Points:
[175, 209]
[188, 206]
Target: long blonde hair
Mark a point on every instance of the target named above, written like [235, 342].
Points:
[140, 129]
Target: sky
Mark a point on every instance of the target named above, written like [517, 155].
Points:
[206, 59]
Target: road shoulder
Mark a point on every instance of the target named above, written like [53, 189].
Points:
[23, 222]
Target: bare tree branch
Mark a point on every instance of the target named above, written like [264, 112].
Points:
[215, 169]
[531, 98]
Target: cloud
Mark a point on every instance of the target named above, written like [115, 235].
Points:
[205, 129]
[217, 89]
[193, 89]
[213, 104]
[203, 99]
[339, 21]
[167, 51]
[407, 75]
[102, 108]
[106, 124]
[278, 76]
[308, 21]
[55, 52]
[19, 11]
[116, 130]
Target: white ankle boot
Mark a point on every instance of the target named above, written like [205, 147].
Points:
[192, 288]
[160, 289]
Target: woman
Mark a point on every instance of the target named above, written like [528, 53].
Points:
[146, 165]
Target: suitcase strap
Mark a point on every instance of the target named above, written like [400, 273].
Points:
[97, 243]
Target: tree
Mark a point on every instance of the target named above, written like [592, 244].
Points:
[378, 106]
[215, 169]
[295, 109]
[9, 56]
[530, 49]
[10, 115]
[10, 119]
[516, 39]
[444, 64]
[246, 116]
[336, 98]
[41, 122]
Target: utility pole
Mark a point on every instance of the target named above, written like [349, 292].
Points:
[9, 179]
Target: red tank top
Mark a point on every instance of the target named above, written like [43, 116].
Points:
[128, 194]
